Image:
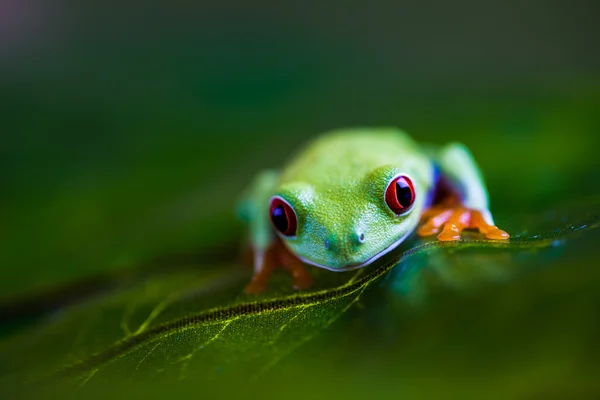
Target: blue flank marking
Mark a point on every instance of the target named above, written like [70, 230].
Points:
[436, 177]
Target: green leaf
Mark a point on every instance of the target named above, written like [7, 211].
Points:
[192, 327]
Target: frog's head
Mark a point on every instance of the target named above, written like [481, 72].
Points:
[342, 228]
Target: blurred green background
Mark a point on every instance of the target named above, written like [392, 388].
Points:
[128, 130]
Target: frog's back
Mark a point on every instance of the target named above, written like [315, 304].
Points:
[342, 156]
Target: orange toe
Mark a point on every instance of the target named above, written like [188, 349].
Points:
[427, 230]
[255, 287]
[303, 282]
[301, 278]
[496, 234]
[450, 233]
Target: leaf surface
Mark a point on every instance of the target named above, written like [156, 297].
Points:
[194, 327]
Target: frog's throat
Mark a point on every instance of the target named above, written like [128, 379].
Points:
[363, 264]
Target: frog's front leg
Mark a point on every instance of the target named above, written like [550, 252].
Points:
[268, 251]
[277, 255]
[301, 278]
[462, 201]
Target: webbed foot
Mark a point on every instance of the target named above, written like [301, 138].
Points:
[302, 279]
[264, 264]
[449, 222]
[277, 255]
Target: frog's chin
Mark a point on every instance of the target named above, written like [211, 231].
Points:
[349, 267]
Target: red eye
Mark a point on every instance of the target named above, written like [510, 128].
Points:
[400, 195]
[283, 216]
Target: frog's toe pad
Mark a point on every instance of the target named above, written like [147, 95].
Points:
[255, 287]
[497, 234]
[477, 221]
[303, 282]
[451, 232]
[427, 230]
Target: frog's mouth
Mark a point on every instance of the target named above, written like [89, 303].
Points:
[350, 267]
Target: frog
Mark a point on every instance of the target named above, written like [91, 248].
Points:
[349, 196]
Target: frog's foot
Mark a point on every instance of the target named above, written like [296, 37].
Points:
[302, 279]
[266, 261]
[264, 264]
[452, 221]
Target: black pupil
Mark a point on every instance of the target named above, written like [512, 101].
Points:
[279, 218]
[403, 193]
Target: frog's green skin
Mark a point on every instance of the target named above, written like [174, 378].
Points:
[336, 186]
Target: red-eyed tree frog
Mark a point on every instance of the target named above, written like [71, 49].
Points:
[352, 195]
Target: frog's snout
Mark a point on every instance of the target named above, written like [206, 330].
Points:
[345, 247]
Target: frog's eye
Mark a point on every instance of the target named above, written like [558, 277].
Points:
[400, 194]
[283, 216]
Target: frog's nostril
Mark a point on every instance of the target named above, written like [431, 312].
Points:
[360, 236]
[327, 244]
